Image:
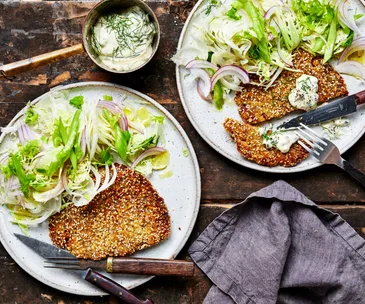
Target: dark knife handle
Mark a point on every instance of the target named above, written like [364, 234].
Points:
[356, 174]
[152, 266]
[360, 97]
[113, 288]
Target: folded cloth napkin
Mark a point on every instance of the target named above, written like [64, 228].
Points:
[279, 247]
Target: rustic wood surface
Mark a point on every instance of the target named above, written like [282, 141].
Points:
[29, 28]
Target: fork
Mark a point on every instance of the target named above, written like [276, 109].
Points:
[326, 152]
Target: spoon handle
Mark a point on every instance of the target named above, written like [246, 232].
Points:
[7, 71]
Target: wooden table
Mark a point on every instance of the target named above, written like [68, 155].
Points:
[29, 28]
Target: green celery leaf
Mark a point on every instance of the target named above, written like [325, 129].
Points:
[218, 95]
[31, 117]
[23, 179]
[106, 157]
[232, 14]
[64, 154]
[121, 142]
[107, 98]
[77, 101]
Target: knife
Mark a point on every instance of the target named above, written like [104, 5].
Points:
[337, 108]
[108, 285]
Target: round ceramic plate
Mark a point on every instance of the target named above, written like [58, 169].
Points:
[181, 193]
[208, 121]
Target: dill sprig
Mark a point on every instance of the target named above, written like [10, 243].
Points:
[133, 31]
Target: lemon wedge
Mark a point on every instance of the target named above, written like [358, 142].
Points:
[161, 161]
[144, 116]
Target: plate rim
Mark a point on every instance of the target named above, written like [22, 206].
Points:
[179, 128]
[242, 162]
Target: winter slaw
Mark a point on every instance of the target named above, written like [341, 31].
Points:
[62, 151]
[253, 41]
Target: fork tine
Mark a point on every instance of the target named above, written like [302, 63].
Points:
[307, 149]
[70, 267]
[62, 258]
[67, 262]
[314, 134]
[308, 137]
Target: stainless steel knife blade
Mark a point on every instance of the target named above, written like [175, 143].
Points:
[337, 108]
[45, 250]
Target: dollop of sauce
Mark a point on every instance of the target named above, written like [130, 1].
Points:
[278, 139]
[123, 41]
[305, 96]
[334, 128]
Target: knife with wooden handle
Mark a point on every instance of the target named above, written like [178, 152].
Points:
[334, 109]
[145, 266]
[46, 250]
[113, 288]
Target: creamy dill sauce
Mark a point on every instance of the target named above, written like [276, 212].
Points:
[123, 41]
[334, 128]
[305, 96]
[277, 139]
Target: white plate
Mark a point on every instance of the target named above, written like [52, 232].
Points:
[208, 121]
[181, 193]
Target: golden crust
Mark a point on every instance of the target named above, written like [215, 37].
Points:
[250, 145]
[255, 104]
[128, 216]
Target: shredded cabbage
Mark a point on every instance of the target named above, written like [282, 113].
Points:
[68, 155]
[261, 35]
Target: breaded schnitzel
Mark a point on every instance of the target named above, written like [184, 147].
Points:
[250, 145]
[128, 216]
[255, 104]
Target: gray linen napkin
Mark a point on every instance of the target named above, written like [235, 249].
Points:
[279, 247]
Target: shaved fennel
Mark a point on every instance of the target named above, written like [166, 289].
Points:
[63, 150]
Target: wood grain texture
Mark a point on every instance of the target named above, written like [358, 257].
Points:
[113, 288]
[7, 71]
[162, 290]
[26, 25]
[31, 28]
[152, 266]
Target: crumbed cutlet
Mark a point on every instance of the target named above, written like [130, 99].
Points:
[250, 145]
[255, 104]
[128, 216]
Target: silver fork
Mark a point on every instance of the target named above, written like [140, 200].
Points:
[326, 152]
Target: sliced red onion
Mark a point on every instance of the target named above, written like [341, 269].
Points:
[346, 15]
[232, 70]
[204, 85]
[115, 109]
[351, 67]
[201, 64]
[21, 135]
[26, 134]
[356, 46]
[202, 90]
[30, 134]
[281, 55]
[149, 152]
